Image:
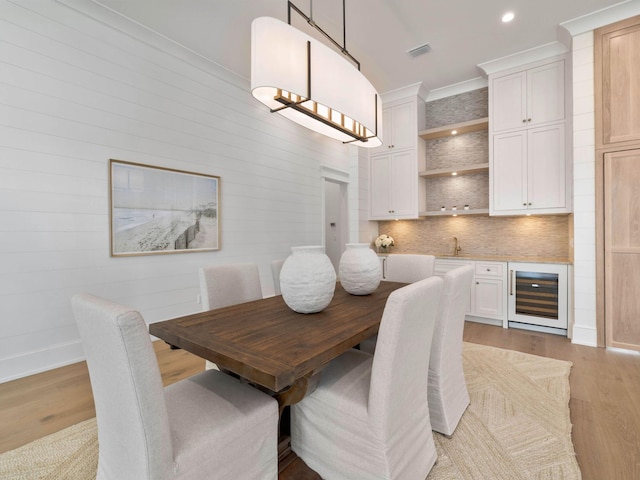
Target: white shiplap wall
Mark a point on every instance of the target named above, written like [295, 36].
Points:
[584, 329]
[79, 85]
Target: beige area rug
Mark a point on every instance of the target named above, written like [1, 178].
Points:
[517, 427]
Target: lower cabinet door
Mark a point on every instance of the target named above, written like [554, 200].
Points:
[488, 296]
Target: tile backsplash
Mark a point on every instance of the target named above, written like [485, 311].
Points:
[522, 237]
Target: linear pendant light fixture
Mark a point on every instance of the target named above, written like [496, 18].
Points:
[302, 79]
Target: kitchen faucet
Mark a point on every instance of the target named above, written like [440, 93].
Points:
[456, 247]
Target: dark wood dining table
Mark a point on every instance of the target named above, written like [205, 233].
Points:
[273, 347]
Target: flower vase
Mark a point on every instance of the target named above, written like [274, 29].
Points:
[307, 279]
[360, 271]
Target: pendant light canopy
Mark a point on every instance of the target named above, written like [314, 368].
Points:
[304, 80]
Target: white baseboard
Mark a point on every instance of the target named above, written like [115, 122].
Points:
[486, 321]
[37, 361]
[584, 336]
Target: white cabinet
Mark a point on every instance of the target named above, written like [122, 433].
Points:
[393, 167]
[394, 186]
[399, 127]
[488, 291]
[528, 98]
[529, 154]
[529, 171]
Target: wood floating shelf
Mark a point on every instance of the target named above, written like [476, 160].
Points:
[450, 213]
[447, 172]
[460, 128]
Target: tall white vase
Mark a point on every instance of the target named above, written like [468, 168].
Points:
[360, 271]
[307, 279]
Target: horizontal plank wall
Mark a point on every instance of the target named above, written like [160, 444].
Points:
[80, 85]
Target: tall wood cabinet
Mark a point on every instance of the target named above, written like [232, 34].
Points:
[393, 167]
[529, 150]
[617, 92]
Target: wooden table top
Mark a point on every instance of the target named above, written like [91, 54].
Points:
[271, 345]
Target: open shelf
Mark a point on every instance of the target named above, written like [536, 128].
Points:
[445, 172]
[461, 128]
[449, 213]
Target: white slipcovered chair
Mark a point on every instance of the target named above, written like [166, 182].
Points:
[225, 285]
[276, 266]
[408, 268]
[368, 417]
[207, 426]
[405, 268]
[448, 395]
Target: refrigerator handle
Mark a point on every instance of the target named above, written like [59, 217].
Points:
[510, 282]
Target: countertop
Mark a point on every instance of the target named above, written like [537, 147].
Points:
[498, 258]
[505, 258]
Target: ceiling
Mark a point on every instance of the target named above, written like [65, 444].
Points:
[462, 33]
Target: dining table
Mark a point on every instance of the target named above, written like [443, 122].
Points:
[274, 348]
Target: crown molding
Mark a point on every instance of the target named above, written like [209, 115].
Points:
[600, 18]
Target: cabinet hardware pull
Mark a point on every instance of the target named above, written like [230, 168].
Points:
[528, 119]
[511, 283]
[524, 120]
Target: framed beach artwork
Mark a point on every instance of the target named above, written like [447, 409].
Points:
[160, 210]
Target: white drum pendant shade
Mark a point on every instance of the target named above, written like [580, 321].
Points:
[288, 64]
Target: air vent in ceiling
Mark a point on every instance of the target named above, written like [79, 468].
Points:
[419, 50]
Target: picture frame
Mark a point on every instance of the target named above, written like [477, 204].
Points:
[156, 210]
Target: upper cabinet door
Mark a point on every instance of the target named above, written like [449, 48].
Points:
[399, 127]
[528, 98]
[618, 60]
[545, 94]
[509, 102]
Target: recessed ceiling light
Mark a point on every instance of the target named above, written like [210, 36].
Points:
[507, 17]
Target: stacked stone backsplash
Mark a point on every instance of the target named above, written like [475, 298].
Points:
[457, 151]
[457, 108]
[518, 237]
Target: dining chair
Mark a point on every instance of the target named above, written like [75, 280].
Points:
[225, 285]
[448, 395]
[404, 268]
[368, 417]
[408, 268]
[276, 266]
[209, 425]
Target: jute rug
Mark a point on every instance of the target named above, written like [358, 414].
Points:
[517, 427]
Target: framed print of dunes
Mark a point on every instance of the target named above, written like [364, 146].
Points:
[160, 210]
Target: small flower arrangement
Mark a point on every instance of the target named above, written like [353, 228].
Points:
[383, 242]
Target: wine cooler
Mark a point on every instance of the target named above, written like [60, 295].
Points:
[538, 296]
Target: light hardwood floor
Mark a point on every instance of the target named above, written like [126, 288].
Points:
[605, 399]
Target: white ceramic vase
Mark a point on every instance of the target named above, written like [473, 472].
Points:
[360, 271]
[307, 279]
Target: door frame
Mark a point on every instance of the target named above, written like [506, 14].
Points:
[342, 178]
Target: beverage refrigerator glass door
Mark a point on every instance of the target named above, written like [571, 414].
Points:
[538, 295]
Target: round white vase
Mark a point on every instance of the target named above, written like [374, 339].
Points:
[360, 271]
[307, 279]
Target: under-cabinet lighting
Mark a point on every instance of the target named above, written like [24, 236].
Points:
[454, 173]
[454, 132]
